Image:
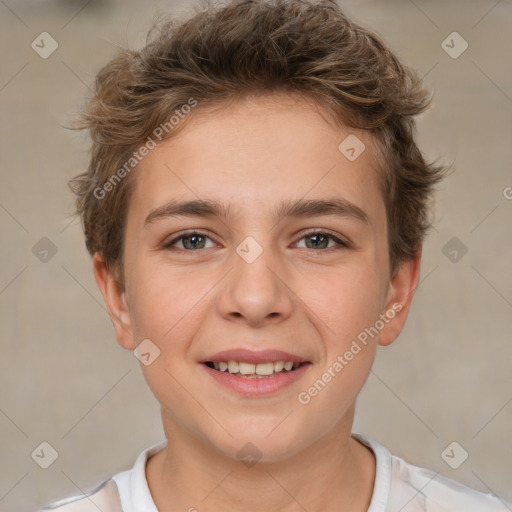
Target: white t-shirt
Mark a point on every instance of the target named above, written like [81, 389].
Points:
[399, 487]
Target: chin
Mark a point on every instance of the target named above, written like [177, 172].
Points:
[265, 442]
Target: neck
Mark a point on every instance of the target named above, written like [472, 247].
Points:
[334, 473]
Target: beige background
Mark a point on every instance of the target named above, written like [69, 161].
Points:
[67, 382]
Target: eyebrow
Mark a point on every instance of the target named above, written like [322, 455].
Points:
[301, 208]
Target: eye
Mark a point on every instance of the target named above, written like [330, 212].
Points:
[321, 239]
[196, 240]
[191, 241]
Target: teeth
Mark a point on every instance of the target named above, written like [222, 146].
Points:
[246, 368]
[263, 369]
[232, 367]
[278, 366]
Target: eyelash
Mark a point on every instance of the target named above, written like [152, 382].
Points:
[341, 244]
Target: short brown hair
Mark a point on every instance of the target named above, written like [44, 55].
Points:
[243, 48]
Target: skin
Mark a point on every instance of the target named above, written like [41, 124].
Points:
[296, 296]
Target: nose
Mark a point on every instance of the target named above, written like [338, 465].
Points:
[256, 292]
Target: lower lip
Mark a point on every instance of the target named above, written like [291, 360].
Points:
[258, 386]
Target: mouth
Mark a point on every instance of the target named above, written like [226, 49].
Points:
[254, 374]
[247, 370]
[244, 378]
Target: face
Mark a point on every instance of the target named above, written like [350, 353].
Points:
[284, 249]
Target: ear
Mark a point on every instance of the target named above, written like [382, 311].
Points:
[115, 300]
[399, 297]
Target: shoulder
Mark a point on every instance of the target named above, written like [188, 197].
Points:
[105, 497]
[127, 490]
[415, 488]
[403, 487]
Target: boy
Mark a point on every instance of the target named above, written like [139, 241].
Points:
[255, 206]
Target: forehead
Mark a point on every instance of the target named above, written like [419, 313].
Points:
[253, 151]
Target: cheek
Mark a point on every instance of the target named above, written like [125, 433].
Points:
[165, 300]
[346, 308]
[345, 303]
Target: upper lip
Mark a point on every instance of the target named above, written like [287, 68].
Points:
[254, 357]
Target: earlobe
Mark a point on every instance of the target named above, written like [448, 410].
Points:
[401, 292]
[115, 300]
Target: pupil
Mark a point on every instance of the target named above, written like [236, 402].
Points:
[190, 238]
[317, 237]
